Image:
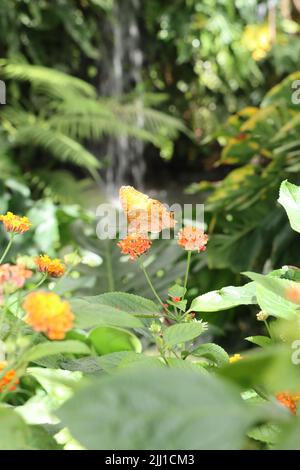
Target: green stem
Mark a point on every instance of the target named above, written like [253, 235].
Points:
[110, 275]
[268, 328]
[146, 315]
[62, 278]
[150, 284]
[36, 286]
[41, 281]
[7, 248]
[188, 262]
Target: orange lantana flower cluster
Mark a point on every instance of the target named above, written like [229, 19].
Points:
[289, 401]
[192, 239]
[8, 379]
[141, 211]
[52, 267]
[15, 274]
[12, 277]
[46, 312]
[14, 223]
[134, 245]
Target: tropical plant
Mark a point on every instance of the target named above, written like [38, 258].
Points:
[260, 147]
[65, 111]
[218, 55]
[133, 362]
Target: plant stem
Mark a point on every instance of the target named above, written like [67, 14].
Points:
[268, 329]
[110, 275]
[150, 284]
[41, 281]
[36, 286]
[7, 248]
[188, 262]
[62, 277]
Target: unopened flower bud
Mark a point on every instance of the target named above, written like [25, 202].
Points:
[262, 316]
[155, 328]
[72, 259]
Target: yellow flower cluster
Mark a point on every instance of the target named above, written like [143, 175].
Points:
[14, 223]
[47, 313]
[52, 267]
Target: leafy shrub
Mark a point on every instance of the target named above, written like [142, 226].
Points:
[115, 366]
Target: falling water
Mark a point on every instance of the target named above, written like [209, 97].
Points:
[123, 72]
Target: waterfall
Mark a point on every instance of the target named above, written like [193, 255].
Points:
[123, 64]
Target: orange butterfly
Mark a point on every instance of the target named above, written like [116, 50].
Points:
[143, 213]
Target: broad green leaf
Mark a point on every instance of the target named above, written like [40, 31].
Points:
[289, 198]
[225, 298]
[272, 295]
[274, 304]
[87, 365]
[213, 352]
[270, 368]
[55, 347]
[158, 409]
[181, 305]
[118, 360]
[289, 438]
[13, 430]
[177, 291]
[125, 302]
[262, 341]
[92, 313]
[106, 340]
[41, 439]
[267, 433]
[177, 363]
[182, 332]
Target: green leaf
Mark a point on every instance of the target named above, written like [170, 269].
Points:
[289, 439]
[271, 295]
[13, 430]
[225, 298]
[125, 302]
[55, 347]
[177, 363]
[90, 313]
[41, 439]
[289, 198]
[262, 341]
[158, 409]
[109, 339]
[213, 352]
[181, 305]
[118, 360]
[267, 433]
[270, 368]
[182, 332]
[177, 291]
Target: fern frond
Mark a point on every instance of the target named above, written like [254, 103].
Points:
[60, 185]
[61, 146]
[84, 118]
[44, 77]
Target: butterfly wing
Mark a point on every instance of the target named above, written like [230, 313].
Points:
[143, 213]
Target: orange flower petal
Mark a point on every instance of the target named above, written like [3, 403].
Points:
[46, 312]
[52, 267]
[14, 223]
[192, 239]
[134, 245]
